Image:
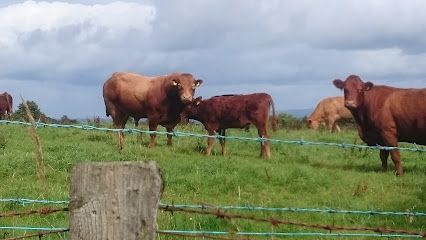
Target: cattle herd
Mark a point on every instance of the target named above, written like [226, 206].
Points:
[384, 115]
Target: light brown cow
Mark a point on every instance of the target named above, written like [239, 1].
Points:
[386, 115]
[329, 111]
[6, 105]
[160, 99]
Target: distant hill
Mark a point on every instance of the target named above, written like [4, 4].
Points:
[298, 113]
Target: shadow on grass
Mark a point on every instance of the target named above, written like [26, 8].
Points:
[366, 168]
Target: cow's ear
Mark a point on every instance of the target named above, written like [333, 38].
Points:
[197, 101]
[175, 82]
[198, 82]
[309, 121]
[339, 83]
[368, 86]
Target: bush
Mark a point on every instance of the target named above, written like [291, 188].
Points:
[288, 121]
[21, 114]
[66, 120]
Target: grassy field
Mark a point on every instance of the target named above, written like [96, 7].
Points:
[295, 176]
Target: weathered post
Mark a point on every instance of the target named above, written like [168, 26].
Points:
[114, 200]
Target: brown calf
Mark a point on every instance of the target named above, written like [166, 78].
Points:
[160, 99]
[233, 111]
[386, 115]
[329, 111]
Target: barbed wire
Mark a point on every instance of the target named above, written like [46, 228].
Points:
[32, 228]
[216, 234]
[38, 234]
[198, 234]
[221, 214]
[24, 201]
[271, 209]
[186, 134]
[43, 211]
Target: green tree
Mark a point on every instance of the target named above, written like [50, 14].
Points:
[66, 120]
[21, 115]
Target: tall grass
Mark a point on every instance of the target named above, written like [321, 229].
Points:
[295, 176]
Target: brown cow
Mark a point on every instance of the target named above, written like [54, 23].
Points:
[233, 111]
[386, 115]
[329, 111]
[160, 99]
[6, 105]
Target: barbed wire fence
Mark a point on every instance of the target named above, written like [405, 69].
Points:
[220, 213]
[416, 148]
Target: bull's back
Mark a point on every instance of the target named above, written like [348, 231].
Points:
[339, 108]
[408, 111]
[127, 92]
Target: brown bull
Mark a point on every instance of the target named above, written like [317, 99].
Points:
[329, 111]
[160, 99]
[233, 111]
[386, 115]
[6, 105]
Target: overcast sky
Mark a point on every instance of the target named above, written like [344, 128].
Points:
[59, 53]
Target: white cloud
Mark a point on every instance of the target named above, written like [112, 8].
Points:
[114, 20]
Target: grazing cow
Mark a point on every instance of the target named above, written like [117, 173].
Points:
[386, 115]
[233, 111]
[329, 111]
[6, 105]
[160, 99]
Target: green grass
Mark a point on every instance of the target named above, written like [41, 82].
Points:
[295, 176]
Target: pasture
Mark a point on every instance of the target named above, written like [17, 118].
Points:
[295, 176]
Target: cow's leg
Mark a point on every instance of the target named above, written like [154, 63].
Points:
[265, 150]
[384, 157]
[119, 120]
[169, 136]
[336, 127]
[330, 125]
[222, 140]
[153, 124]
[210, 142]
[396, 158]
[391, 140]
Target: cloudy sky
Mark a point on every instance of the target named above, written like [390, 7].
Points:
[59, 53]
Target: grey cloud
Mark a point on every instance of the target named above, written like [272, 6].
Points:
[297, 47]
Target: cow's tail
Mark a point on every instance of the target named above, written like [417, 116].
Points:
[107, 113]
[9, 104]
[274, 120]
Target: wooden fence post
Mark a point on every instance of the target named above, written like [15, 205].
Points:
[114, 200]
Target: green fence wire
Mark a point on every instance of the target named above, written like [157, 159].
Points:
[291, 234]
[24, 201]
[263, 234]
[417, 148]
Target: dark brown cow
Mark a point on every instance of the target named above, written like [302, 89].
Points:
[6, 105]
[233, 111]
[386, 115]
[160, 99]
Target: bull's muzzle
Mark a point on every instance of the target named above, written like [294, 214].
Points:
[350, 104]
[186, 99]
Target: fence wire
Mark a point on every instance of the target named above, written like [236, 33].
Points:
[24, 201]
[276, 222]
[417, 148]
[206, 234]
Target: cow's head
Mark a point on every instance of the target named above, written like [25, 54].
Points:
[354, 89]
[185, 85]
[312, 124]
[190, 110]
